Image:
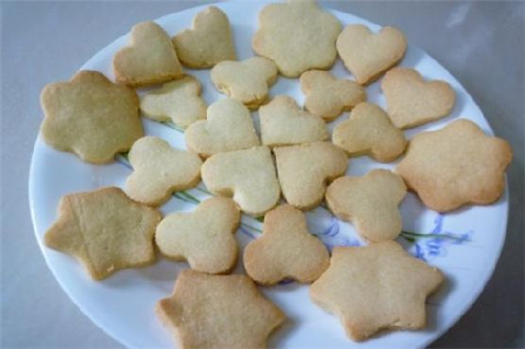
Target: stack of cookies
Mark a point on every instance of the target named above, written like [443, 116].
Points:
[290, 166]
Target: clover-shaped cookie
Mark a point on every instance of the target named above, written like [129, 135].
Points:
[159, 170]
[285, 250]
[247, 175]
[297, 36]
[208, 42]
[370, 202]
[229, 127]
[90, 116]
[412, 101]
[304, 170]
[248, 81]
[327, 96]
[367, 55]
[370, 132]
[105, 230]
[178, 101]
[284, 123]
[149, 59]
[376, 287]
[218, 312]
[455, 166]
[205, 238]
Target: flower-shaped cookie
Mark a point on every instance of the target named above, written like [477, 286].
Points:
[159, 170]
[229, 127]
[178, 101]
[105, 230]
[297, 36]
[379, 286]
[149, 59]
[286, 249]
[91, 117]
[205, 238]
[248, 81]
[370, 132]
[455, 166]
[327, 96]
[370, 202]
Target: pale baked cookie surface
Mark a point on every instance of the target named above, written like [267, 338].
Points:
[455, 166]
[248, 81]
[297, 36]
[370, 202]
[209, 42]
[248, 176]
[369, 131]
[367, 55]
[90, 116]
[178, 101]
[412, 101]
[205, 238]
[149, 59]
[159, 170]
[219, 312]
[376, 287]
[105, 230]
[327, 96]
[228, 127]
[286, 249]
[305, 170]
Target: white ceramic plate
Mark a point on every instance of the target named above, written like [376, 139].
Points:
[464, 244]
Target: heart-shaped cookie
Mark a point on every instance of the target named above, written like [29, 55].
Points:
[247, 175]
[412, 101]
[229, 127]
[208, 42]
[286, 249]
[369, 132]
[204, 238]
[247, 81]
[283, 123]
[149, 59]
[367, 55]
[304, 170]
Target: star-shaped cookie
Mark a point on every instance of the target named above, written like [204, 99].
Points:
[455, 166]
[221, 312]
[91, 117]
[105, 230]
[376, 287]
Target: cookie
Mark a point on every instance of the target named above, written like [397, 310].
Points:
[209, 42]
[370, 202]
[369, 131]
[304, 170]
[376, 287]
[204, 238]
[285, 250]
[229, 127]
[178, 101]
[297, 36]
[247, 175]
[367, 55]
[456, 166]
[327, 96]
[105, 230]
[248, 81]
[149, 59]
[218, 312]
[159, 170]
[283, 123]
[91, 117]
[412, 101]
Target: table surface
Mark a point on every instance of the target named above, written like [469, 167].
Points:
[481, 43]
